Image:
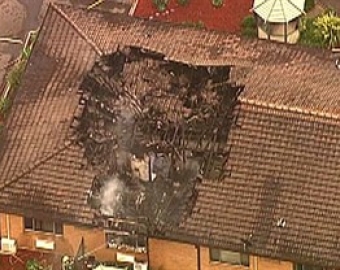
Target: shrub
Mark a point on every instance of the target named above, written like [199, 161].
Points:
[310, 36]
[328, 26]
[4, 105]
[309, 4]
[32, 265]
[160, 4]
[183, 2]
[249, 27]
[198, 24]
[14, 76]
[249, 22]
[217, 3]
[249, 32]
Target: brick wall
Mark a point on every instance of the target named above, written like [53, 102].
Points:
[265, 263]
[67, 244]
[163, 254]
[168, 255]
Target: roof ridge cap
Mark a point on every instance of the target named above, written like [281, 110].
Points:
[35, 165]
[78, 30]
[293, 109]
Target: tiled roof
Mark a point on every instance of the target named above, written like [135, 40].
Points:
[282, 165]
[285, 75]
[56, 188]
[284, 155]
[38, 128]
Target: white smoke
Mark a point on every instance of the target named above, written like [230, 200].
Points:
[111, 196]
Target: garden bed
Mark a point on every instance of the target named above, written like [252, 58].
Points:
[227, 17]
[18, 262]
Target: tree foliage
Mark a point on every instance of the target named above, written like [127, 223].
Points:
[217, 3]
[309, 35]
[161, 5]
[328, 25]
[33, 265]
[183, 2]
[249, 27]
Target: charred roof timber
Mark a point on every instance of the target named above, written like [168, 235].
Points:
[153, 127]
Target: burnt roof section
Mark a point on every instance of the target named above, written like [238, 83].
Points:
[152, 127]
[178, 108]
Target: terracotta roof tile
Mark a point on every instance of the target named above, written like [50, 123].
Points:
[284, 158]
[43, 109]
[282, 165]
[56, 188]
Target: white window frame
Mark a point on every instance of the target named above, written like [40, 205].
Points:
[222, 254]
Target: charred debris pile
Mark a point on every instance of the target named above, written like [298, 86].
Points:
[152, 128]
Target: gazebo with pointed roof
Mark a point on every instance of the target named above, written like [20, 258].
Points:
[278, 19]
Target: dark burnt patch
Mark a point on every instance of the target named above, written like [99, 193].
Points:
[153, 128]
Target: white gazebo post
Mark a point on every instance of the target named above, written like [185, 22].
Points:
[280, 17]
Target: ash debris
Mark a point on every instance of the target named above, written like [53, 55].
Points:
[152, 128]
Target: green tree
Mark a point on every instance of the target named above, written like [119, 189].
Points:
[183, 2]
[161, 5]
[249, 27]
[217, 3]
[328, 25]
[32, 265]
[310, 36]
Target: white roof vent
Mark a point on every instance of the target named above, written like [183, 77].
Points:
[337, 63]
[279, 11]
[281, 223]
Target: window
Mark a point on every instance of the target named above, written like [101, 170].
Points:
[120, 239]
[306, 267]
[28, 223]
[236, 258]
[43, 225]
